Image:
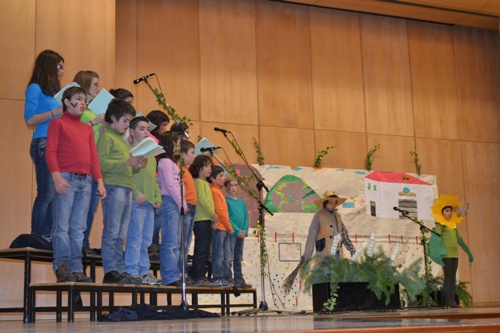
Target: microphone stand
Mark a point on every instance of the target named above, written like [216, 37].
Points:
[423, 229]
[263, 307]
[184, 306]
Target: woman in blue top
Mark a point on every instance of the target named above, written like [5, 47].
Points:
[40, 108]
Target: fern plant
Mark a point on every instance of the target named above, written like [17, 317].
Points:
[377, 270]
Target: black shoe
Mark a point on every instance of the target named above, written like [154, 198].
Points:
[63, 273]
[132, 279]
[177, 283]
[242, 284]
[81, 277]
[114, 277]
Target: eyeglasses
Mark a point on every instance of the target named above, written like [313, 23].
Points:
[95, 84]
[60, 66]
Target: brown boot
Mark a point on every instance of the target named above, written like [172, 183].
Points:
[63, 273]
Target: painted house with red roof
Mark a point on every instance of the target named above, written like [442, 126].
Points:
[386, 190]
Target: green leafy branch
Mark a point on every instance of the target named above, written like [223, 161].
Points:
[369, 157]
[320, 155]
[260, 157]
[160, 98]
[418, 167]
[260, 232]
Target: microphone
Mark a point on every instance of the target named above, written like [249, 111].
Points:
[401, 211]
[221, 130]
[143, 78]
[209, 149]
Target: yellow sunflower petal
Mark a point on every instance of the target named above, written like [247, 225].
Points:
[439, 204]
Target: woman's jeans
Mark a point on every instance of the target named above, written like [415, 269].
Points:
[42, 215]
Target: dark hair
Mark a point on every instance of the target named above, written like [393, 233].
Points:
[186, 145]
[133, 123]
[84, 79]
[70, 92]
[175, 127]
[216, 169]
[45, 72]
[121, 93]
[118, 108]
[157, 117]
[168, 141]
[442, 210]
[199, 163]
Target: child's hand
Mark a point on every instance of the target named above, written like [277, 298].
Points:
[142, 163]
[242, 234]
[59, 183]
[134, 161]
[140, 199]
[157, 205]
[58, 111]
[99, 119]
[215, 217]
[101, 190]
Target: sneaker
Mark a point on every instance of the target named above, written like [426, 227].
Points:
[132, 279]
[81, 277]
[242, 284]
[114, 277]
[63, 273]
[150, 279]
[222, 283]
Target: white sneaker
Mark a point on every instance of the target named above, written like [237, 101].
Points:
[150, 279]
[222, 283]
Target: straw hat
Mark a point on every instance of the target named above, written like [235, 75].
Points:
[328, 195]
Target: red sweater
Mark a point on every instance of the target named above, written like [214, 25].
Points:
[71, 147]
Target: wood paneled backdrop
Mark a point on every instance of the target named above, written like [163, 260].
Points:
[296, 78]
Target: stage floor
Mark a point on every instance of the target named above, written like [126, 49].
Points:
[475, 319]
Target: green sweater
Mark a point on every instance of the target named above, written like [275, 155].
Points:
[205, 208]
[145, 183]
[113, 153]
[87, 116]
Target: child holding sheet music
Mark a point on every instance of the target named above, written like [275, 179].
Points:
[40, 107]
[146, 196]
[89, 81]
[117, 167]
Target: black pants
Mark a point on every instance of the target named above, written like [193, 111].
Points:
[202, 241]
[450, 280]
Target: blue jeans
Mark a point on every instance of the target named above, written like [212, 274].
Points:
[237, 256]
[170, 240]
[140, 232]
[71, 210]
[42, 215]
[94, 202]
[188, 236]
[157, 226]
[202, 239]
[116, 209]
[221, 254]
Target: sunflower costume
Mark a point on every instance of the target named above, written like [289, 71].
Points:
[444, 248]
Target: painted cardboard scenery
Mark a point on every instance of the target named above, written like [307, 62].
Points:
[290, 198]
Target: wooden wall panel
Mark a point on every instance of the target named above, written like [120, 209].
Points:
[243, 134]
[228, 81]
[349, 152]
[83, 35]
[126, 41]
[168, 45]
[16, 25]
[433, 80]
[478, 84]
[481, 165]
[394, 153]
[283, 65]
[287, 146]
[337, 72]
[386, 71]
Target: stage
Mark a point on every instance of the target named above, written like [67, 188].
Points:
[474, 319]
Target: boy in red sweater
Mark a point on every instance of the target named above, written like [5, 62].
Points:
[73, 163]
